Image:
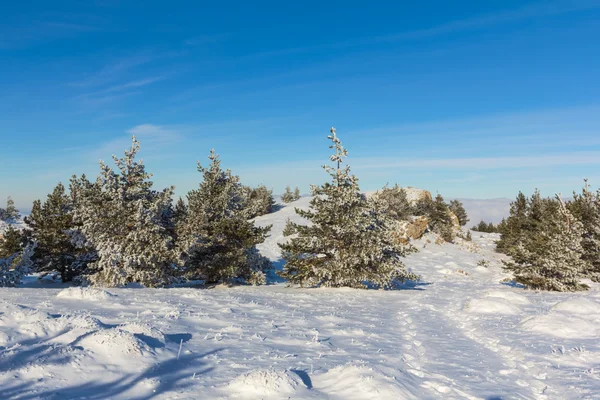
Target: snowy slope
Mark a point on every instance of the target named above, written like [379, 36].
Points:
[459, 334]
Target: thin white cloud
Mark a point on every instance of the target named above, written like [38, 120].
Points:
[537, 10]
[154, 132]
[482, 163]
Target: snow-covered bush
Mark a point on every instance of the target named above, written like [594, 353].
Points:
[16, 266]
[394, 202]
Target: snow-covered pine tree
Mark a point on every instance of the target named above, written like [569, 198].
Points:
[347, 242]
[217, 242]
[440, 220]
[288, 195]
[586, 208]
[259, 201]
[12, 213]
[13, 268]
[128, 224]
[12, 241]
[296, 193]
[51, 224]
[512, 229]
[395, 202]
[459, 210]
[552, 259]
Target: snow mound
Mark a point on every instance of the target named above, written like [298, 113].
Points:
[149, 334]
[491, 306]
[511, 297]
[359, 382]
[84, 293]
[114, 342]
[579, 306]
[265, 382]
[561, 326]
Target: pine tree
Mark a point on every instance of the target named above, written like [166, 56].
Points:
[513, 228]
[395, 202]
[217, 242]
[296, 193]
[423, 207]
[459, 210]
[16, 266]
[51, 225]
[259, 201]
[586, 208]
[551, 259]
[12, 241]
[347, 242]
[288, 195]
[9, 214]
[440, 220]
[128, 224]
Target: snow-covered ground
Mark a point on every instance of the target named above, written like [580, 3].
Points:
[460, 333]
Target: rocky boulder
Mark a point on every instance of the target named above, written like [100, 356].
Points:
[411, 230]
[413, 195]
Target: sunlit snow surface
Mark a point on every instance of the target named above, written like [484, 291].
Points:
[460, 333]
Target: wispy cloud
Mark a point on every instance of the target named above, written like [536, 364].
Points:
[21, 31]
[483, 163]
[155, 133]
[114, 70]
[526, 12]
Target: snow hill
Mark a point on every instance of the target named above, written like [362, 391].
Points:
[458, 334]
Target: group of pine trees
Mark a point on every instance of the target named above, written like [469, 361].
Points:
[488, 227]
[118, 229]
[553, 243]
[288, 196]
[395, 203]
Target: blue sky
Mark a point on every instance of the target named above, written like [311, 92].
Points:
[471, 99]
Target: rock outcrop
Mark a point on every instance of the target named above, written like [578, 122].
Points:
[413, 195]
[411, 230]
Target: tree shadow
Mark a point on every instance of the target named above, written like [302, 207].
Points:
[171, 375]
[272, 277]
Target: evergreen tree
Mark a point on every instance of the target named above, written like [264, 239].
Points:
[395, 202]
[127, 223]
[512, 230]
[459, 210]
[11, 211]
[423, 207]
[259, 201]
[347, 242]
[180, 212]
[586, 208]
[217, 242]
[296, 193]
[51, 225]
[288, 196]
[440, 220]
[11, 242]
[16, 266]
[551, 258]
[9, 214]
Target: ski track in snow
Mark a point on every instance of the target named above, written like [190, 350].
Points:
[458, 334]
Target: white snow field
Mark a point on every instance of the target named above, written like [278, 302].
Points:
[458, 334]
